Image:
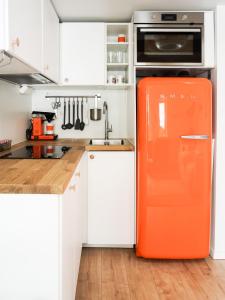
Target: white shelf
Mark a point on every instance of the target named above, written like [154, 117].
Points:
[115, 84]
[120, 86]
[115, 46]
[117, 64]
[118, 44]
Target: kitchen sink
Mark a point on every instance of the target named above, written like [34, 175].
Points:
[103, 142]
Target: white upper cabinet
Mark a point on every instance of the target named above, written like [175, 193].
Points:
[29, 29]
[50, 41]
[83, 54]
[23, 30]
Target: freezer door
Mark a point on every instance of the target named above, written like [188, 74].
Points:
[174, 167]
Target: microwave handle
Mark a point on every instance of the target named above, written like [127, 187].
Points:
[170, 30]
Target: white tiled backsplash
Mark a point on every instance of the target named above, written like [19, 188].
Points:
[14, 113]
[117, 105]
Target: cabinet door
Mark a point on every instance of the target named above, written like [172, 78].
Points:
[111, 198]
[73, 229]
[50, 41]
[83, 53]
[24, 24]
[83, 190]
[70, 242]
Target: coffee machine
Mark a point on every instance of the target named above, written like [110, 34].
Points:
[41, 126]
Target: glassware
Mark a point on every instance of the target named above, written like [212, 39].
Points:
[110, 56]
[119, 57]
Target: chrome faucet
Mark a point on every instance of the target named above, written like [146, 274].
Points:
[107, 128]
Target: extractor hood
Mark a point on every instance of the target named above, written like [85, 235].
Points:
[14, 70]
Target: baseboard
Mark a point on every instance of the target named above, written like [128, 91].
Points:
[107, 246]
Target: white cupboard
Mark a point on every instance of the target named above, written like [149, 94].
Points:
[41, 240]
[29, 30]
[50, 64]
[83, 53]
[21, 30]
[111, 198]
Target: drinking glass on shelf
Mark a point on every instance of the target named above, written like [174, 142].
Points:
[119, 57]
[115, 57]
[124, 57]
[110, 56]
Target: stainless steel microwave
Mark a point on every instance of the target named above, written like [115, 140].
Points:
[167, 38]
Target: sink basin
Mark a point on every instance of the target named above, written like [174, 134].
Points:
[101, 142]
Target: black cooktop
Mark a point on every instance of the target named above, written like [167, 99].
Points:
[37, 152]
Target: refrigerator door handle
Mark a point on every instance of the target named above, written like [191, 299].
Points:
[195, 137]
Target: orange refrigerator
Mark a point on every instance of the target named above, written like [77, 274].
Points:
[174, 140]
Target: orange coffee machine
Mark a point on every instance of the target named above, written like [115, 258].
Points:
[41, 126]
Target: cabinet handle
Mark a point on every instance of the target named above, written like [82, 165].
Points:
[73, 188]
[77, 174]
[46, 67]
[66, 79]
[92, 156]
[15, 43]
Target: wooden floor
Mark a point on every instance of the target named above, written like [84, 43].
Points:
[118, 274]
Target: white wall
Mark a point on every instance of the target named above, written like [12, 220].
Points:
[14, 113]
[117, 104]
[218, 209]
[131, 114]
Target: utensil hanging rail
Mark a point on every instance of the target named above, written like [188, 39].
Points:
[78, 96]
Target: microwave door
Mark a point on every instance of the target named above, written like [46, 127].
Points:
[169, 45]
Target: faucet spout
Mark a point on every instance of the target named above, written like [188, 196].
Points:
[108, 128]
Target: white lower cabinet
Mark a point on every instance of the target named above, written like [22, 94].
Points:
[42, 235]
[111, 198]
[41, 241]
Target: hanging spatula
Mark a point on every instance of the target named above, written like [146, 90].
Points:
[77, 124]
[82, 124]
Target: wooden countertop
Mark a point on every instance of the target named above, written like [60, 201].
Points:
[46, 176]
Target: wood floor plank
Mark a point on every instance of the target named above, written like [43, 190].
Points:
[117, 274]
[168, 280]
[83, 271]
[218, 270]
[192, 287]
[140, 279]
[88, 291]
[113, 266]
[94, 265]
[115, 291]
[217, 267]
[90, 277]
[202, 274]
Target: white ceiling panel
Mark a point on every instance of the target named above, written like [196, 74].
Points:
[121, 10]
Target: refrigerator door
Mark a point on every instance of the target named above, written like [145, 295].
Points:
[174, 167]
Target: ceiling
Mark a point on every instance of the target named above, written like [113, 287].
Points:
[121, 10]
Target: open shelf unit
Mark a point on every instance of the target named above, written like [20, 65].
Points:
[118, 55]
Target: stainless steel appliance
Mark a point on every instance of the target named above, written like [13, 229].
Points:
[168, 38]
